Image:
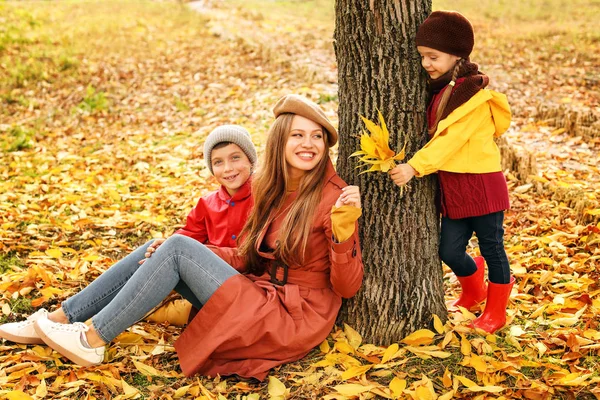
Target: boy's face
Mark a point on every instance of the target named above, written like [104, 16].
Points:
[436, 62]
[231, 167]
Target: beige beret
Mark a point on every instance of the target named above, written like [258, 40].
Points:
[295, 104]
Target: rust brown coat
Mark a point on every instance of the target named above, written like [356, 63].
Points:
[251, 325]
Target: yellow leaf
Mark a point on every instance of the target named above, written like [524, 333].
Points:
[447, 396]
[42, 390]
[489, 389]
[574, 379]
[478, 363]
[447, 378]
[182, 391]
[546, 260]
[343, 347]
[276, 388]
[352, 389]
[593, 212]
[324, 346]
[128, 390]
[465, 381]
[437, 324]
[591, 334]
[473, 387]
[353, 337]
[397, 386]
[373, 128]
[54, 253]
[146, 369]
[516, 249]
[426, 353]
[389, 352]
[368, 145]
[447, 339]
[516, 331]
[17, 395]
[424, 393]
[465, 345]
[129, 338]
[400, 156]
[422, 336]
[355, 371]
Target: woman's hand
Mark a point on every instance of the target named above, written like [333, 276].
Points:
[349, 197]
[402, 173]
[151, 249]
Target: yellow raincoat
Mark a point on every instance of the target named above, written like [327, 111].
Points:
[464, 140]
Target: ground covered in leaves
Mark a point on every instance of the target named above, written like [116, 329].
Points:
[103, 110]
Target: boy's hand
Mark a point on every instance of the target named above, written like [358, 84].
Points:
[151, 249]
[402, 173]
[349, 197]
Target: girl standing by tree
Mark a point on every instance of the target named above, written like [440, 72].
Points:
[463, 119]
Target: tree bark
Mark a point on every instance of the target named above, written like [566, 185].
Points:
[379, 67]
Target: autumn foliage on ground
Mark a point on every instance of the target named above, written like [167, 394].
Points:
[104, 106]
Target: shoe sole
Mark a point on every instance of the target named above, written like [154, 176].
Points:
[20, 339]
[62, 351]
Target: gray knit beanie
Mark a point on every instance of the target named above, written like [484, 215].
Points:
[229, 133]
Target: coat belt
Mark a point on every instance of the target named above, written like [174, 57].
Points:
[309, 279]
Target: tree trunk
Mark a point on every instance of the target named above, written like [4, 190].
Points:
[379, 67]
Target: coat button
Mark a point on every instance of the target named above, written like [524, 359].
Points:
[233, 236]
[232, 204]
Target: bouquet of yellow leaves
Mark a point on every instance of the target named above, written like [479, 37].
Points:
[375, 148]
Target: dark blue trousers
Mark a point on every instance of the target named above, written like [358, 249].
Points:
[455, 236]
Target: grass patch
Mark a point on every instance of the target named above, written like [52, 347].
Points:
[22, 305]
[19, 306]
[139, 380]
[93, 101]
[16, 138]
[8, 262]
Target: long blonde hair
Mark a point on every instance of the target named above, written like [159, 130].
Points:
[446, 96]
[269, 191]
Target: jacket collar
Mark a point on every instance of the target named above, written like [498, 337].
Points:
[243, 192]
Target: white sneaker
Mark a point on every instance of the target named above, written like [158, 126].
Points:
[23, 332]
[66, 339]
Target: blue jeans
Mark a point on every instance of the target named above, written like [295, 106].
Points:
[127, 291]
[455, 235]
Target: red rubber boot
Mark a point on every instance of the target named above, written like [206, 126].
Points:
[494, 316]
[474, 290]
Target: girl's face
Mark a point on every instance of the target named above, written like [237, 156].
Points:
[435, 62]
[231, 167]
[305, 146]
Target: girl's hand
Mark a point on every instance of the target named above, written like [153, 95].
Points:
[151, 249]
[402, 173]
[349, 197]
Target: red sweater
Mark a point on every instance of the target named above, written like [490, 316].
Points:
[465, 195]
[218, 218]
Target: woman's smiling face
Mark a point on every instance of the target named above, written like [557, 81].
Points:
[305, 146]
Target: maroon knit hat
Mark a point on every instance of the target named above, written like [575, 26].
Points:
[447, 31]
